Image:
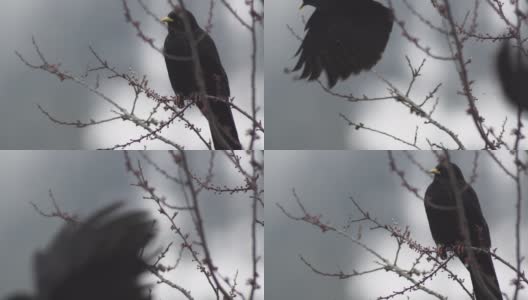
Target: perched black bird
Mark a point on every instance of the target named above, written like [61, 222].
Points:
[447, 231]
[182, 75]
[513, 75]
[96, 259]
[343, 37]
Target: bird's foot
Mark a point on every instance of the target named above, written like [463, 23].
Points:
[459, 249]
[180, 101]
[441, 251]
[196, 98]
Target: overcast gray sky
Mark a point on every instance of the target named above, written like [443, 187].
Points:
[305, 117]
[83, 181]
[325, 180]
[64, 30]
[302, 117]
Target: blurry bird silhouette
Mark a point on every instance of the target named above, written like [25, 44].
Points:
[513, 74]
[95, 259]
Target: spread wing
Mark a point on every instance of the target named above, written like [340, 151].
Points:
[96, 259]
[344, 42]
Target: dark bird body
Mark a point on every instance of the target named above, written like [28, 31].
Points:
[343, 37]
[447, 231]
[96, 259]
[513, 75]
[182, 74]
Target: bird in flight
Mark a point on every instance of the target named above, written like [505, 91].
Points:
[98, 258]
[449, 224]
[188, 79]
[343, 37]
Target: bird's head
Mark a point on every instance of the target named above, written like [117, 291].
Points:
[175, 20]
[444, 169]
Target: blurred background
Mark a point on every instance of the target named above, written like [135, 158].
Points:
[64, 29]
[305, 117]
[325, 181]
[84, 181]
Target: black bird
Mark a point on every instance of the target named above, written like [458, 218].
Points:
[182, 75]
[447, 231]
[343, 37]
[513, 75]
[95, 259]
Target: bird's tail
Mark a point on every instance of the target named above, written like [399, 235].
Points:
[484, 278]
[223, 128]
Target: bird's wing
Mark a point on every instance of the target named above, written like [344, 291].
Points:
[223, 127]
[485, 283]
[96, 259]
[344, 43]
[215, 76]
[311, 51]
[478, 228]
[513, 75]
[432, 216]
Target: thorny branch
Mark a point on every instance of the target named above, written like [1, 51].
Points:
[193, 243]
[163, 109]
[457, 34]
[427, 265]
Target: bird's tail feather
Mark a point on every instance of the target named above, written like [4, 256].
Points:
[485, 286]
[223, 128]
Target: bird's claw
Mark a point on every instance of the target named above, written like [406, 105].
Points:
[441, 251]
[458, 249]
[180, 101]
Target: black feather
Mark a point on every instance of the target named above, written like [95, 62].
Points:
[181, 69]
[513, 75]
[446, 229]
[343, 37]
[95, 259]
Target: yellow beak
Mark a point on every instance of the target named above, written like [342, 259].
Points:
[434, 171]
[167, 20]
